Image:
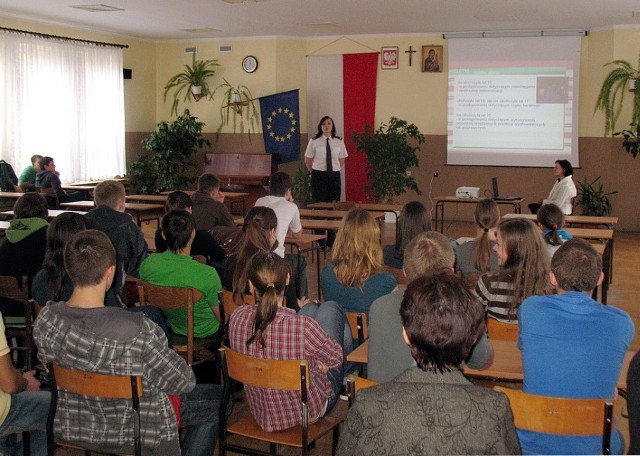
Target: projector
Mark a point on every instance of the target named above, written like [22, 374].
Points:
[468, 192]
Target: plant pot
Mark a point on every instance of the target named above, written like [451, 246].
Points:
[196, 91]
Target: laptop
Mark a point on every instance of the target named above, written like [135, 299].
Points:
[496, 194]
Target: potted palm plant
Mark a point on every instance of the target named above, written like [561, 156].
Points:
[237, 108]
[391, 151]
[192, 82]
[621, 78]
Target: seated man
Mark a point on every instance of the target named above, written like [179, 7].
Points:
[23, 407]
[68, 333]
[209, 210]
[280, 200]
[176, 268]
[571, 345]
[433, 409]
[22, 251]
[48, 183]
[127, 238]
[428, 253]
[27, 179]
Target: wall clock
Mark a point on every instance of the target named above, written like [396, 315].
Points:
[249, 64]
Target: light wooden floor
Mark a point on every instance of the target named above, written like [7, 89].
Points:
[624, 293]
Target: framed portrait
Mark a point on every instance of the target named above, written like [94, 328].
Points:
[432, 59]
[389, 58]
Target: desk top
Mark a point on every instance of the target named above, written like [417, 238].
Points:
[13, 195]
[4, 225]
[303, 239]
[590, 233]
[72, 187]
[332, 214]
[151, 198]
[226, 194]
[386, 207]
[307, 224]
[506, 365]
[584, 219]
[136, 207]
[52, 213]
[453, 199]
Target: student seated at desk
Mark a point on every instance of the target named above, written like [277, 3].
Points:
[413, 220]
[431, 408]
[572, 346]
[48, 183]
[551, 220]
[27, 179]
[524, 270]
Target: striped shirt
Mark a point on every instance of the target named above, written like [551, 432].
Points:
[110, 340]
[288, 336]
[496, 293]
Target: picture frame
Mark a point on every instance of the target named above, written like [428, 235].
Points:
[389, 57]
[432, 58]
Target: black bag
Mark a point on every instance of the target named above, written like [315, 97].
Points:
[8, 178]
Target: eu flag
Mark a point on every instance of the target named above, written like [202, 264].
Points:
[281, 125]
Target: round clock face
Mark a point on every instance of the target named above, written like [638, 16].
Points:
[250, 64]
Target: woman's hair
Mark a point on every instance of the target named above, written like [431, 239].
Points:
[551, 218]
[356, 252]
[267, 271]
[566, 167]
[59, 233]
[177, 226]
[31, 205]
[527, 261]
[487, 217]
[333, 127]
[258, 223]
[414, 219]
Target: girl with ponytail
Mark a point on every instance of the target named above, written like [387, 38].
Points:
[270, 330]
[551, 220]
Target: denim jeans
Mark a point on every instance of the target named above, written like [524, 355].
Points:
[332, 319]
[199, 414]
[28, 412]
[303, 286]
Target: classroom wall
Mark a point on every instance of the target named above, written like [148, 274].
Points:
[406, 93]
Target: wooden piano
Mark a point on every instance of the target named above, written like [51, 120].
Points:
[241, 169]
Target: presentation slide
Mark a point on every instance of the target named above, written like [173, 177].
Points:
[511, 112]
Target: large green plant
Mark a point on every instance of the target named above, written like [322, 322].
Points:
[301, 187]
[610, 101]
[391, 151]
[194, 76]
[237, 108]
[172, 146]
[593, 199]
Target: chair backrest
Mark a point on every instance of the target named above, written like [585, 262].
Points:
[355, 384]
[126, 387]
[563, 416]
[288, 375]
[172, 298]
[359, 325]
[228, 304]
[498, 330]
[16, 306]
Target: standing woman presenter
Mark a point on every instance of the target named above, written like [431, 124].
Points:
[325, 157]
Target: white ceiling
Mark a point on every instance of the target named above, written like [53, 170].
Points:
[167, 19]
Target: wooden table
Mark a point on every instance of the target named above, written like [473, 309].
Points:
[148, 198]
[305, 242]
[78, 188]
[53, 213]
[441, 201]
[333, 214]
[606, 221]
[93, 183]
[506, 365]
[11, 195]
[233, 197]
[136, 208]
[5, 224]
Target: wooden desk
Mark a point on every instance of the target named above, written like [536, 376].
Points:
[442, 200]
[93, 183]
[77, 188]
[148, 198]
[10, 195]
[53, 213]
[231, 197]
[139, 209]
[5, 224]
[506, 365]
[333, 214]
[608, 222]
[305, 242]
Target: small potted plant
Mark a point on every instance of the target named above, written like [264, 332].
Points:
[593, 199]
[237, 108]
[192, 82]
[391, 151]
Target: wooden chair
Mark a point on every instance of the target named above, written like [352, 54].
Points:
[290, 375]
[359, 325]
[355, 384]
[562, 416]
[498, 330]
[227, 307]
[193, 350]
[17, 313]
[95, 385]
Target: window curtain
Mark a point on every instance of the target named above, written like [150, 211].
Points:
[64, 100]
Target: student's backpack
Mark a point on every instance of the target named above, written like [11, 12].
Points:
[8, 178]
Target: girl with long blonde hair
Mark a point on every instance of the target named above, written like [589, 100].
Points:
[356, 278]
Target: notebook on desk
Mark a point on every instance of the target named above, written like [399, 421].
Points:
[496, 194]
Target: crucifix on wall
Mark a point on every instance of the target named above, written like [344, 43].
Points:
[410, 52]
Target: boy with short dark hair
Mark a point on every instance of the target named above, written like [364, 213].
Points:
[572, 346]
[209, 210]
[69, 333]
[48, 182]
